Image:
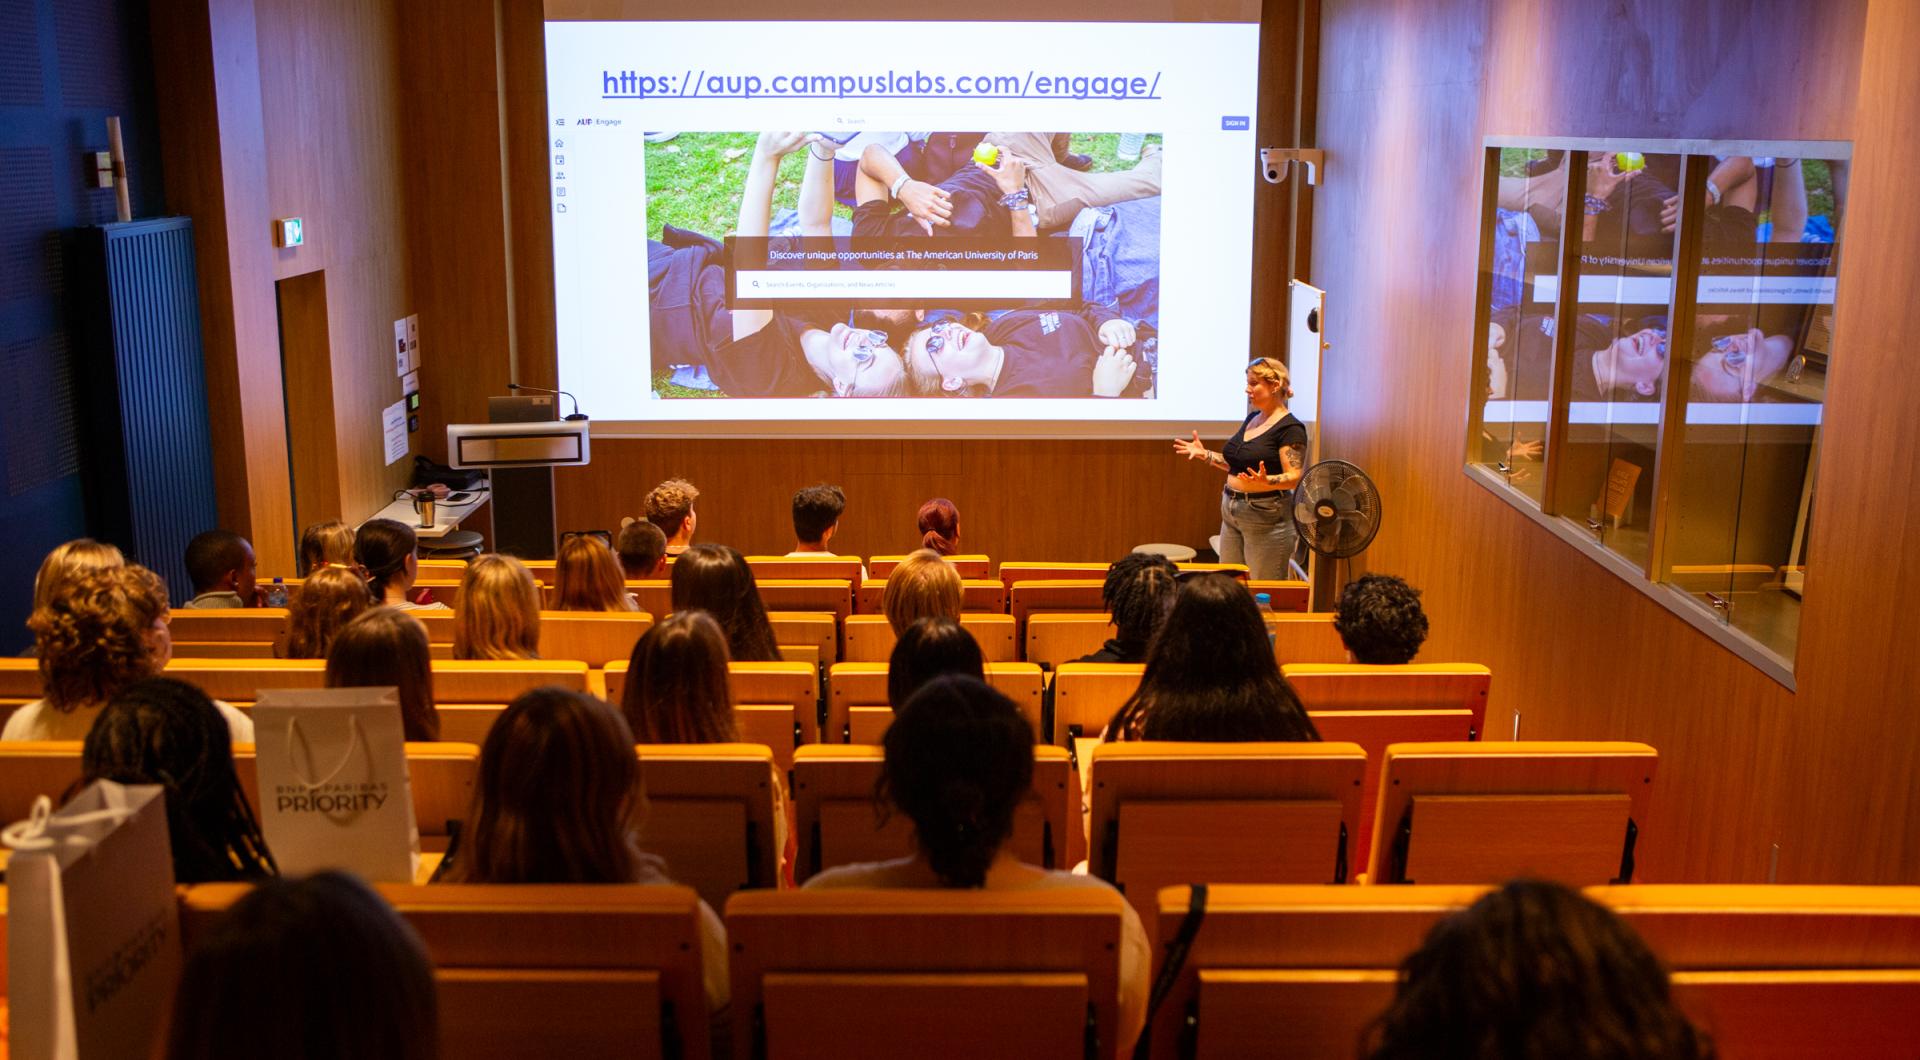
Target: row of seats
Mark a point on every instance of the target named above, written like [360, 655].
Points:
[1295, 971]
[599, 637]
[876, 568]
[1162, 813]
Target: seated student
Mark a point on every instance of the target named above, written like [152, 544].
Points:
[220, 562]
[75, 557]
[931, 647]
[959, 762]
[167, 732]
[923, 585]
[939, 524]
[1379, 620]
[499, 613]
[387, 647]
[326, 544]
[717, 580]
[560, 800]
[669, 506]
[106, 630]
[330, 599]
[642, 549]
[1138, 591]
[816, 518]
[1534, 970]
[385, 551]
[321, 968]
[587, 577]
[1211, 676]
[677, 690]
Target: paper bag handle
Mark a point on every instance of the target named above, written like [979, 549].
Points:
[31, 834]
[353, 737]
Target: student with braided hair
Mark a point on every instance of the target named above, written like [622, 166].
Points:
[1139, 592]
[167, 732]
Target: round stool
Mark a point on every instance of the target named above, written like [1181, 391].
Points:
[456, 544]
[1175, 553]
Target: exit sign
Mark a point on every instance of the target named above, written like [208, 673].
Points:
[289, 232]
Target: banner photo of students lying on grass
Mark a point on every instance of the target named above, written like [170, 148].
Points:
[903, 264]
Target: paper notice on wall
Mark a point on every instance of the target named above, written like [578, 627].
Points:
[393, 424]
[413, 342]
[400, 358]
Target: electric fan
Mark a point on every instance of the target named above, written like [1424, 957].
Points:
[1336, 509]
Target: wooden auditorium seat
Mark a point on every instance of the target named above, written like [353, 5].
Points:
[1487, 812]
[976, 594]
[846, 568]
[837, 823]
[592, 637]
[1052, 639]
[452, 570]
[831, 595]
[239, 681]
[858, 710]
[1014, 571]
[774, 703]
[710, 814]
[1375, 706]
[806, 636]
[1053, 595]
[860, 974]
[1167, 813]
[545, 969]
[32, 768]
[870, 638]
[970, 565]
[441, 776]
[471, 693]
[1767, 970]
[227, 632]
[1085, 695]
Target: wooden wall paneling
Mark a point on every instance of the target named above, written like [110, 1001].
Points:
[306, 357]
[213, 148]
[1408, 90]
[455, 197]
[1273, 207]
[333, 99]
[1853, 811]
[523, 49]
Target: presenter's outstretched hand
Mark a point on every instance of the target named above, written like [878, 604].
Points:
[1117, 333]
[1252, 481]
[1190, 447]
[1112, 372]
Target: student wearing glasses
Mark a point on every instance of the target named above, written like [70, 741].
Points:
[781, 355]
[1024, 353]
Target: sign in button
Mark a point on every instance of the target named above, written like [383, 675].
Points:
[1235, 123]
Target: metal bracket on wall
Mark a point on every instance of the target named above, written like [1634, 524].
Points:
[1277, 162]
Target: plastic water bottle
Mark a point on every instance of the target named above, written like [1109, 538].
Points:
[1263, 601]
[277, 593]
[1130, 146]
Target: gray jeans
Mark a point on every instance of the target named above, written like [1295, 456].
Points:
[1257, 530]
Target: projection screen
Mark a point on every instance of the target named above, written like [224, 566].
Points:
[785, 228]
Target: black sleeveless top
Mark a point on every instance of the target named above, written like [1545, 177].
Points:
[1243, 455]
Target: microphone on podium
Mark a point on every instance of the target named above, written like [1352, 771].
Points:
[577, 414]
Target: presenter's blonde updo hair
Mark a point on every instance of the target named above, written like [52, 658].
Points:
[1271, 372]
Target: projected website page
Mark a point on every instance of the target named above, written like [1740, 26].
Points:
[758, 223]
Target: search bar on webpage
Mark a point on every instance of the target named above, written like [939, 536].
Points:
[1011, 284]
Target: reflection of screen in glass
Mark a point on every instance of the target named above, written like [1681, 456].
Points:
[1130, 158]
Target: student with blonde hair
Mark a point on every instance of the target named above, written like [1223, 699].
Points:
[384, 647]
[326, 545]
[330, 599]
[499, 613]
[69, 560]
[104, 631]
[587, 577]
[924, 585]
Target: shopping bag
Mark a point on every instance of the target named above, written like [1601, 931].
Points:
[334, 792]
[93, 928]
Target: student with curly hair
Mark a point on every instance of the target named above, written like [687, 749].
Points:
[924, 585]
[331, 598]
[1210, 675]
[1380, 621]
[669, 506]
[167, 732]
[716, 579]
[1534, 970]
[1138, 591]
[499, 613]
[387, 647]
[959, 762]
[106, 630]
[73, 558]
